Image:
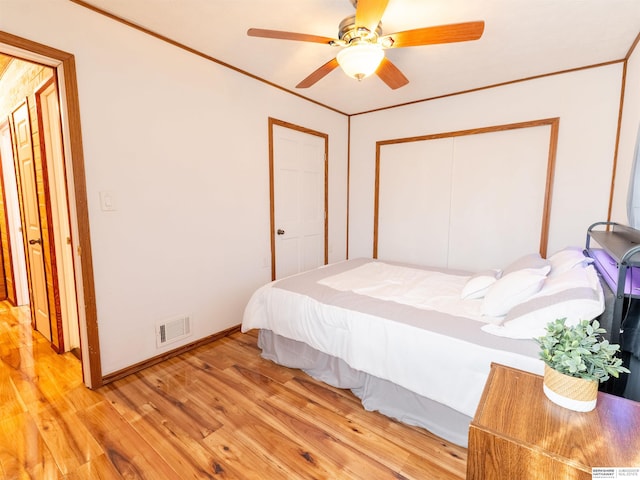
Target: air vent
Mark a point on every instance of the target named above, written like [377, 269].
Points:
[172, 330]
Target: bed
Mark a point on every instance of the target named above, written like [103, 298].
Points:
[416, 343]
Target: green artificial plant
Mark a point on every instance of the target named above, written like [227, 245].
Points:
[580, 351]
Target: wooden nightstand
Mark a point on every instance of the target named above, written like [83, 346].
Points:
[518, 434]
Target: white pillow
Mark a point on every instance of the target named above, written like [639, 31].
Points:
[510, 290]
[533, 261]
[568, 258]
[534, 323]
[574, 295]
[572, 278]
[478, 284]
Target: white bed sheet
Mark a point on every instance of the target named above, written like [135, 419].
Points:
[439, 367]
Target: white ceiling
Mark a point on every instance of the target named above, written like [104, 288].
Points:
[522, 38]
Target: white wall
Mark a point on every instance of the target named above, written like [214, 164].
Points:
[181, 143]
[587, 103]
[629, 128]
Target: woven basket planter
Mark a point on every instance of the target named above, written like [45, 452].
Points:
[570, 392]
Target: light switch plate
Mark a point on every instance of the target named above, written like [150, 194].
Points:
[107, 201]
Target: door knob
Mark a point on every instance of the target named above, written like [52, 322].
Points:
[33, 242]
[280, 231]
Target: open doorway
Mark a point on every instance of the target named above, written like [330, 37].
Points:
[36, 245]
[71, 274]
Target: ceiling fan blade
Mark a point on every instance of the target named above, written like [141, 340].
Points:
[456, 32]
[277, 34]
[318, 74]
[391, 75]
[369, 13]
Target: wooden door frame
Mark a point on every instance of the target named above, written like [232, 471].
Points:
[65, 71]
[273, 122]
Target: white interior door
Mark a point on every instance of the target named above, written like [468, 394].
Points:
[32, 233]
[52, 136]
[299, 214]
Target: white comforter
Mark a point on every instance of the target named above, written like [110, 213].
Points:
[409, 286]
[440, 367]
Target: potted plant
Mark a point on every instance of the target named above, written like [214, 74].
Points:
[577, 358]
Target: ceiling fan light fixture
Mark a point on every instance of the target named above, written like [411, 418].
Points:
[359, 60]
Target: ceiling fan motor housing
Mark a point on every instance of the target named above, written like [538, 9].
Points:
[348, 32]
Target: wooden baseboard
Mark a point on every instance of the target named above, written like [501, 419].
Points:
[111, 377]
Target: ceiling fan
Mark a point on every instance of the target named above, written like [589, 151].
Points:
[363, 44]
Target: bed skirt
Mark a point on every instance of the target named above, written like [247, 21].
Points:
[375, 394]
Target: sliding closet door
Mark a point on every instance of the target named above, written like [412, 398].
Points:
[466, 200]
[497, 197]
[414, 191]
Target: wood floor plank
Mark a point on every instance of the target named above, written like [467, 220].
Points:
[25, 455]
[81, 397]
[327, 446]
[243, 457]
[129, 453]
[416, 467]
[250, 355]
[150, 395]
[99, 468]
[67, 438]
[290, 453]
[324, 394]
[8, 406]
[190, 456]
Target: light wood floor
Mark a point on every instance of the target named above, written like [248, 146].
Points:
[219, 411]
